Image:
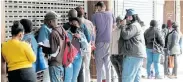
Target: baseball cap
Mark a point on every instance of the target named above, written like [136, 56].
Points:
[51, 15]
[130, 12]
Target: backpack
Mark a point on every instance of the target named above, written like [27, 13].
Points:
[69, 51]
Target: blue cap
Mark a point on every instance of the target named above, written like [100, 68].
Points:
[130, 12]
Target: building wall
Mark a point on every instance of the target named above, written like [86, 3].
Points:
[181, 22]
[169, 10]
[35, 11]
[3, 65]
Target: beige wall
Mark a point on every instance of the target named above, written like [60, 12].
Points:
[181, 21]
[3, 65]
[2, 21]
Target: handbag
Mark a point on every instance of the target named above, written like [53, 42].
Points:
[69, 52]
[41, 63]
[157, 48]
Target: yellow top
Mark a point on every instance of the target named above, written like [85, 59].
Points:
[18, 54]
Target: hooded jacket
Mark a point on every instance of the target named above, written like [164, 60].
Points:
[56, 40]
[173, 43]
[131, 42]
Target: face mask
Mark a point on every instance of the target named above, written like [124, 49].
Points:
[73, 29]
[128, 22]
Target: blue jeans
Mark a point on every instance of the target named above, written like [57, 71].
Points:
[132, 69]
[72, 71]
[56, 73]
[152, 58]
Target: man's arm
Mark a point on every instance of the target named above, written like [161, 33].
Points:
[86, 33]
[53, 41]
[129, 32]
[114, 22]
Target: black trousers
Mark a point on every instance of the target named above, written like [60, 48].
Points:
[117, 63]
[22, 75]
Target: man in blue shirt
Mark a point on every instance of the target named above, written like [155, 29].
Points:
[50, 21]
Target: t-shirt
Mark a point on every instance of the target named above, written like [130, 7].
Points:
[103, 22]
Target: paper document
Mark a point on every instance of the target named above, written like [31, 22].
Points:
[45, 43]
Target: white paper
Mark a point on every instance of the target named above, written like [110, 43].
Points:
[56, 53]
[45, 43]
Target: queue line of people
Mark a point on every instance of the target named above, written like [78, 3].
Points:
[129, 47]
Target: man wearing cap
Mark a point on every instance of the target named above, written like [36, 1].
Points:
[132, 47]
[104, 21]
[50, 21]
[87, 57]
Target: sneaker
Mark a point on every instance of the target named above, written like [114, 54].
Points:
[172, 77]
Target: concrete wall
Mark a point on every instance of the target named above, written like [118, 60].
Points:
[3, 65]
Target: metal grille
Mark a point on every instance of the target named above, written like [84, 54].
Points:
[35, 11]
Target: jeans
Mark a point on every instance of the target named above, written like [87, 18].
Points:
[81, 74]
[153, 58]
[56, 73]
[132, 69]
[72, 71]
[22, 75]
[117, 63]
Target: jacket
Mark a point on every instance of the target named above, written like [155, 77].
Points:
[131, 42]
[173, 43]
[149, 37]
[56, 40]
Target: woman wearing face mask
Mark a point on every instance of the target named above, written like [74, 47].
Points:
[19, 56]
[132, 47]
[75, 36]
